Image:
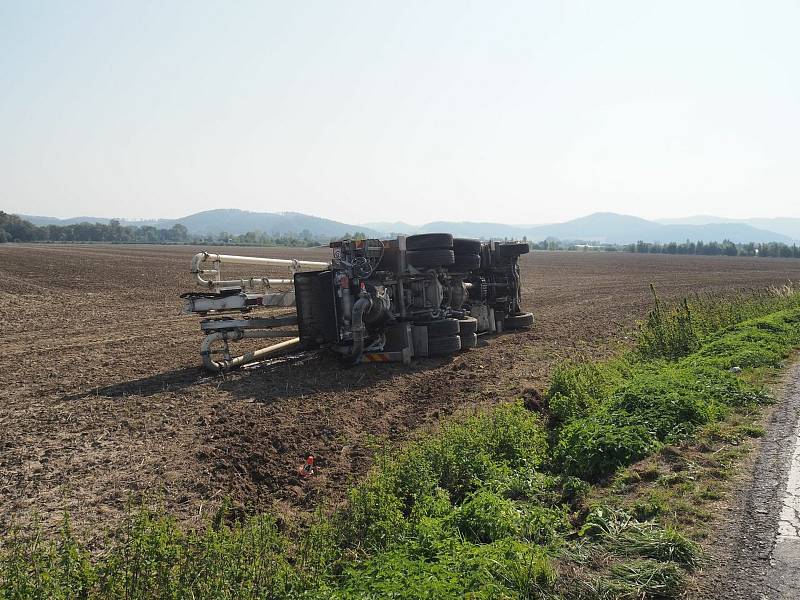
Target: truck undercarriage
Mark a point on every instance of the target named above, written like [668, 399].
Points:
[376, 300]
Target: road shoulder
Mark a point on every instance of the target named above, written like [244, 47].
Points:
[753, 556]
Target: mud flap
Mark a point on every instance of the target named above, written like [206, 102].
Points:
[317, 316]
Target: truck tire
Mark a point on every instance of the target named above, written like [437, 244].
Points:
[443, 346]
[466, 262]
[437, 257]
[468, 340]
[466, 246]
[443, 328]
[511, 250]
[467, 326]
[518, 321]
[429, 241]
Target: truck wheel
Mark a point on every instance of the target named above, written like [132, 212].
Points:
[437, 257]
[518, 321]
[442, 346]
[466, 246]
[443, 328]
[468, 340]
[429, 241]
[466, 262]
[467, 326]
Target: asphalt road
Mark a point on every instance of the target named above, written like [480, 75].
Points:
[758, 555]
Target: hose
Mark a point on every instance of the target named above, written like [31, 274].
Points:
[363, 304]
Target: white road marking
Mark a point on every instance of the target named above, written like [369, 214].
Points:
[789, 520]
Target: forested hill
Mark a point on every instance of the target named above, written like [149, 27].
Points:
[15, 229]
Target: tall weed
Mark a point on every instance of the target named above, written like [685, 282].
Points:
[674, 331]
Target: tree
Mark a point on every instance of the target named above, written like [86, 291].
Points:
[179, 233]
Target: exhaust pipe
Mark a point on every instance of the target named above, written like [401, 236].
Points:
[361, 306]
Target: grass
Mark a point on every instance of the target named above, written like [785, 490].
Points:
[605, 495]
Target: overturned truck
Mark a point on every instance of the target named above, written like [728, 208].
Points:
[376, 300]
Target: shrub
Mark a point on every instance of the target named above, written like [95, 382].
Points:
[154, 559]
[595, 447]
[541, 525]
[400, 573]
[468, 454]
[429, 475]
[579, 388]
[668, 401]
[486, 517]
[31, 567]
[373, 517]
[507, 568]
[751, 345]
[524, 569]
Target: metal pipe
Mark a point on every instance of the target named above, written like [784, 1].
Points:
[269, 333]
[249, 283]
[401, 297]
[262, 323]
[253, 260]
[248, 357]
[201, 257]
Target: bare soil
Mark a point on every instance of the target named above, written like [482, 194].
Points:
[102, 401]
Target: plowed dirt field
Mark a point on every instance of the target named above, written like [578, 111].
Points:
[102, 401]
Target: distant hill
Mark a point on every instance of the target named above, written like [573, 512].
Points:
[230, 220]
[601, 227]
[604, 227]
[695, 220]
[39, 220]
[457, 228]
[624, 229]
[784, 225]
[393, 227]
[239, 221]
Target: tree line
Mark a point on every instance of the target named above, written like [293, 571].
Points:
[723, 248]
[16, 229]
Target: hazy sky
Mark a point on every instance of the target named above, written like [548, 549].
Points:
[520, 112]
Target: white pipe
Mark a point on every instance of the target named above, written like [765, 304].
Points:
[201, 257]
[248, 357]
[253, 260]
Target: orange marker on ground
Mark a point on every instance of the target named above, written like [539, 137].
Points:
[306, 469]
